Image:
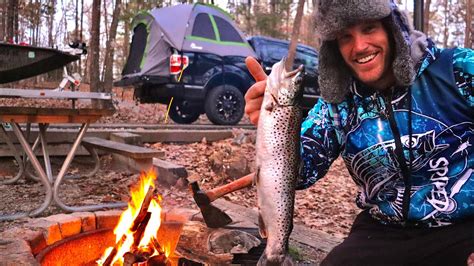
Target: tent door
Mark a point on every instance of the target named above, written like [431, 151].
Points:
[137, 49]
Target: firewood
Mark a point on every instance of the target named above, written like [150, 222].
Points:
[143, 209]
[108, 260]
[143, 213]
[138, 233]
[156, 245]
[129, 259]
[158, 260]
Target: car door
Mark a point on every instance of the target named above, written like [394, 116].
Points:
[202, 67]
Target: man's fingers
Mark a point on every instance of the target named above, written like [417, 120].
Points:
[253, 105]
[255, 69]
[254, 117]
[257, 90]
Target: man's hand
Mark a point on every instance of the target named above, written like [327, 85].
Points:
[254, 96]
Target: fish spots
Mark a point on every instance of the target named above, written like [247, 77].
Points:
[278, 155]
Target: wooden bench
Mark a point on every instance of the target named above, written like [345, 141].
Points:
[136, 158]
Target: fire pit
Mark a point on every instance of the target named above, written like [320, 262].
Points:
[86, 248]
[144, 234]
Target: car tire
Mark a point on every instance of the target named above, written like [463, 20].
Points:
[224, 105]
[182, 112]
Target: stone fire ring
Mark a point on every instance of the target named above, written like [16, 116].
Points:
[21, 245]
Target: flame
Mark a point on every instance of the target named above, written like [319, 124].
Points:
[122, 230]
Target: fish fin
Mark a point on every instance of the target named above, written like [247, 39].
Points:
[294, 72]
[269, 106]
[261, 226]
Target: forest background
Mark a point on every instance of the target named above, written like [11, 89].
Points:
[104, 25]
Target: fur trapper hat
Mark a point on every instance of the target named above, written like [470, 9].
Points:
[333, 16]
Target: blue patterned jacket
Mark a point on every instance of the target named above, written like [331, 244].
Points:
[438, 187]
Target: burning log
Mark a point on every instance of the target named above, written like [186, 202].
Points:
[143, 210]
[138, 227]
[138, 233]
[159, 260]
[112, 254]
[129, 259]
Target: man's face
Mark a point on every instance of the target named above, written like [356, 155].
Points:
[366, 50]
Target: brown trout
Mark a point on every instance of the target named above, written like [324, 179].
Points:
[278, 157]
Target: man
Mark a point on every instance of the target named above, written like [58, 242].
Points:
[400, 112]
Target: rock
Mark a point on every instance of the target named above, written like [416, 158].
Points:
[232, 241]
[229, 163]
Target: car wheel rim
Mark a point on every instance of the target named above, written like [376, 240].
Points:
[181, 110]
[227, 105]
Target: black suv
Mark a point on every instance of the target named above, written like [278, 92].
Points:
[216, 85]
[271, 50]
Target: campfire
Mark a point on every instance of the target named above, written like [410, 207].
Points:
[136, 232]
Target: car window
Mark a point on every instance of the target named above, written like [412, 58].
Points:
[276, 52]
[226, 31]
[203, 27]
[308, 59]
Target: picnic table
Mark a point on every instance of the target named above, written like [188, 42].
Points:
[43, 116]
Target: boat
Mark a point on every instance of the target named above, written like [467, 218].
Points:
[18, 62]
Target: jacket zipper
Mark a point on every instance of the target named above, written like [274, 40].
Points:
[400, 157]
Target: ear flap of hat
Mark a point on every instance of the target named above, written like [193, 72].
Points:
[334, 76]
[403, 66]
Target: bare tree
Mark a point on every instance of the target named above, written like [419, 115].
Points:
[106, 20]
[82, 19]
[248, 20]
[51, 13]
[468, 43]
[109, 50]
[426, 16]
[294, 35]
[446, 26]
[126, 34]
[94, 47]
[12, 20]
[3, 22]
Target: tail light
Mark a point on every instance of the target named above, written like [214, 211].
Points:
[176, 61]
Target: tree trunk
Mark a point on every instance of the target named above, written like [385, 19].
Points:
[52, 12]
[446, 26]
[12, 19]
[126, 38]
[3, 16]
[106, 31]
[109, 50]
[76, 22]
[294, 35]
[106, 20]
[468, 31]
[248, 19]
[82, 19]
[317, 40]
[426, 16]
[94, 48]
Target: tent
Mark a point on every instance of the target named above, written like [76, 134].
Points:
[185, 27]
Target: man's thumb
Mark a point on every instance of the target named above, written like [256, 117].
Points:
[255, 69]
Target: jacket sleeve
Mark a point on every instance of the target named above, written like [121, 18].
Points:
[319, 145]
[463, 66]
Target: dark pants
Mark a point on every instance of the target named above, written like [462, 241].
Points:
[370, 243]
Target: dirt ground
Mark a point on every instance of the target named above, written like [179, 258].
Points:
[327, 206]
